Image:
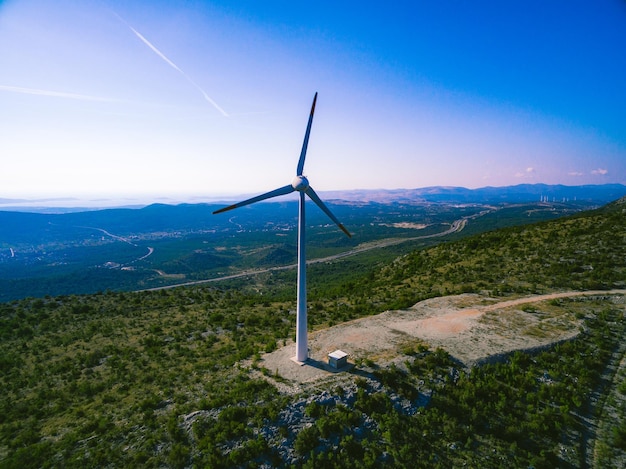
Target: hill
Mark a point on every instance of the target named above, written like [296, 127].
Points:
[175, 377]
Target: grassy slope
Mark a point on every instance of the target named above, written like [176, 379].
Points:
[105, 379]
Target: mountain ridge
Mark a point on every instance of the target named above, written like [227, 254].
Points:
[601, 193]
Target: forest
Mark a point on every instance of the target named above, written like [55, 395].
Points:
[166, 378]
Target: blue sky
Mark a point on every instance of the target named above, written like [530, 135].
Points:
[196, 99]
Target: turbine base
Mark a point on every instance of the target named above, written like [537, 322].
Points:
[298, 362]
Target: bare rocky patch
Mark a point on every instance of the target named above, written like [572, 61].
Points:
[472, 328]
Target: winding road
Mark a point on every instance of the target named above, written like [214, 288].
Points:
[123, 240]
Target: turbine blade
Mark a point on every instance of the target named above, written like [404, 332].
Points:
[314, 197]
[268, 195]
[305, 144]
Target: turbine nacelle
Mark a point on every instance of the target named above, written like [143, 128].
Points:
[300, 183]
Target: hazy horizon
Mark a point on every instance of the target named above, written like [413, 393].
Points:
[129, 200]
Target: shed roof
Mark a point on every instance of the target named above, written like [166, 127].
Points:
[338, 354]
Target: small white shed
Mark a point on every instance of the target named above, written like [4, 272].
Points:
[337, 359]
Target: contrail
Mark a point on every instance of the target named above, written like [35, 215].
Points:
[173, 65]
[155, 50]
[54, 94]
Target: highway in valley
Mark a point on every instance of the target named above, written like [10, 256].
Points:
[456, 226]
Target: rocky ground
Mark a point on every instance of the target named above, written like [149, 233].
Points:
[472, 328]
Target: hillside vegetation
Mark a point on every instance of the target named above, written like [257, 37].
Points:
[582, 252]
[154, 379]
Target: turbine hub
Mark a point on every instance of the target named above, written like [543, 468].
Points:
[300, 183]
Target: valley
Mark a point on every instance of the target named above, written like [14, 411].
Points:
[162, 245]
[456, 226]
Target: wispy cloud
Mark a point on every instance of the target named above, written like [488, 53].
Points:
[600, 172]
[575, 173]
[54, 94]
[527, 173]
[173, 65]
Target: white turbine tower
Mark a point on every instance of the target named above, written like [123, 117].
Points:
[301, 184]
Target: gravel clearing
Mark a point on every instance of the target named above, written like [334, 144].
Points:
[472, 328]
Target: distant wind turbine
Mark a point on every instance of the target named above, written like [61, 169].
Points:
[301, 184]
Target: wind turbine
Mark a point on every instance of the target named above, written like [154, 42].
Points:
[301, 184]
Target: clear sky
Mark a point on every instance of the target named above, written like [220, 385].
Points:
[107, 98]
